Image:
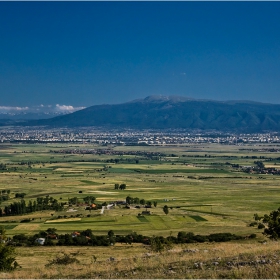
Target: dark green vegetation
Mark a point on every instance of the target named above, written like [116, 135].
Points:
[172, 112]
[87, 238]
[204, 187]
[270, 223]
[7, 258]
[7, 253]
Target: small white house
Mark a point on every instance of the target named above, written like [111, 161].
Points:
[40, 241]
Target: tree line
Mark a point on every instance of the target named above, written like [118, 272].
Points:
[135, 200]
[21, 207]
[87, 238]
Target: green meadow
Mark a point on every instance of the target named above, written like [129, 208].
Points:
[204, 192]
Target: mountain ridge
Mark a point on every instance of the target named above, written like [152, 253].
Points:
[160, 112]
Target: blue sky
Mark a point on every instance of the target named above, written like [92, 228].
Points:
[87, 53]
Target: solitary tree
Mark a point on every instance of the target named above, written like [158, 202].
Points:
[165, 209]
[273, 224]
[155, 203]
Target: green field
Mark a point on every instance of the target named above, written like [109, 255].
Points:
[204, 193]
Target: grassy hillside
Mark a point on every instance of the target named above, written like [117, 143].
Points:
[195, 261]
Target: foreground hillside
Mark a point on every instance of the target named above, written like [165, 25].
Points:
[170, 112]
[251, 260]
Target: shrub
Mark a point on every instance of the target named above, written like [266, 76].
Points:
[63, 259]
[261, 226]
[25, 221]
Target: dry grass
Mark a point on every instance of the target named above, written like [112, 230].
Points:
[63, 220]
[217, 260]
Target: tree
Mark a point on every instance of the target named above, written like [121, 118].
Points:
[7, 253]
[155, 203]
[165, 209]
[51, 230]
[259, 164]
[257, 217]
[7, 258]
[149, 204]
[136, 200]
[142, 201]
[20, 195]
[73, 200]
[2, 234]
[122, 187]
[156, 244]
[273, 224]
[3, 166]
[129, 200]
[89, 199]
[117, 186]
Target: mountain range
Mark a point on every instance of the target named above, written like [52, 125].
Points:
[161, 112]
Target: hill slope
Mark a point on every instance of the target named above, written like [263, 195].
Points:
[176, 112]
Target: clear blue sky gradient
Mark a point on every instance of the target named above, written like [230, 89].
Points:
[87, 53]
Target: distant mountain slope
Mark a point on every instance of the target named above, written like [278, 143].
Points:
[176, 112]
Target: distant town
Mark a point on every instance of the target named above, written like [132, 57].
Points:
[129, 136]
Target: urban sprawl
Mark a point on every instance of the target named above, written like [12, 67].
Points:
[130, 136]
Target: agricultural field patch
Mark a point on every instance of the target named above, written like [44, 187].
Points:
[198, 218]
[63, 220]
[103, 192]
[8, 226]
[89, 182]
[26, 227]
[142, 219]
